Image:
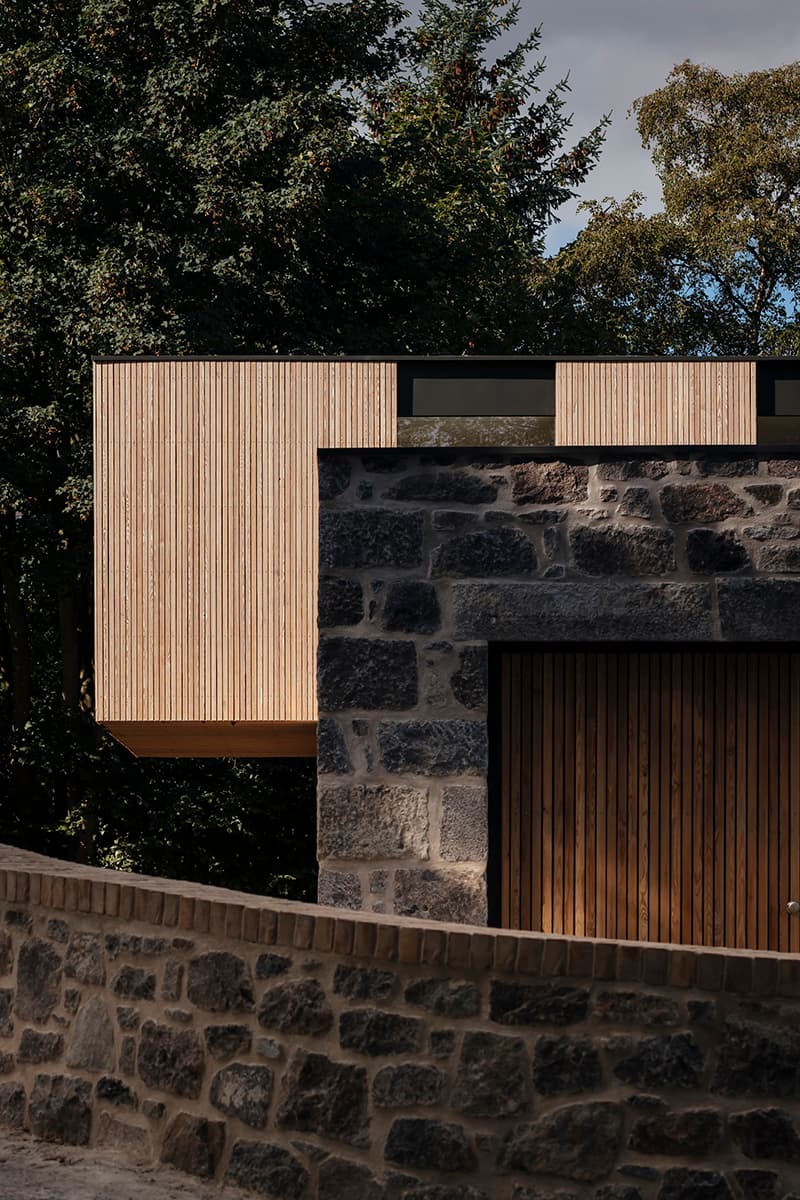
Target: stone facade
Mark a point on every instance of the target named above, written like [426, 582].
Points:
[427, 558]
[303, 1054]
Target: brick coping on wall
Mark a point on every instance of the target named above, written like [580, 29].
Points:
[31, 878]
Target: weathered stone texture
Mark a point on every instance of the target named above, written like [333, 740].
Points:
[296, 1006]
[12, 1105]
[627, 550]
[84, 959]
[91, 1043]
[341, 889]
[693, 1132]
[564, 1065]
[433, 747]
[548, 483]
[226, 1041]
[537, 1003]
[339, 1179]
[674, 1060]
[332, 755]
[638, 1008]
[373, 821]
[366, 673]
[171, 1060]
[373, 1032]
[334, 477]
[444, 998]
[243, 1091]
[484, 553]
[220, 982]
[759, 609]
[135, 983]
[757, 1059]
[454, 486]
[636, 502]
[422, 1143]
[268, 1170]
[6, 953]
[36, 1047]
[411, 606]
[340, 601]
[114, 1091]
[407, 1085]
[325, 1097]
[701, 503]
[60, 1109]
[755, 1184]
[439, 894]
[38, 980]
[709, 551]
[363, 983]
[370, 538]
[579, 1142]
[492, 1078]
[768, 1133]
[542, 611]
[463, 831]
[470, 683]
[6, 1001]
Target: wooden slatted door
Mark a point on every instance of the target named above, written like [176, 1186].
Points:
[652, 794]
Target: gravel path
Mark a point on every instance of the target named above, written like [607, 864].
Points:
[31, 1170]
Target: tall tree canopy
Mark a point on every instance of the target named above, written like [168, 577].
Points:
[718, 271]
[226, 176]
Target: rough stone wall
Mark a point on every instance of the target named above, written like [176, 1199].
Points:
[426, 558]
[305, 1055]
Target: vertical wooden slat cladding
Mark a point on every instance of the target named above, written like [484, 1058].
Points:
[206, 531]
[651, 794]
[655, 403]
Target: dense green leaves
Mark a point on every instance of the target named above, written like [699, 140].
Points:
[223, 176]
[718, 271]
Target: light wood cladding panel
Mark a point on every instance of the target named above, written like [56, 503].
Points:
[206, 530]
[655, 403]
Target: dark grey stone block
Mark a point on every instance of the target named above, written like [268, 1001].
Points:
[407, 1085]
[269, 1170]
[433, 747]
[700, 503]
[636, 1008]
[340, 1179]
[454, 486]
[220, 982]
[193, 1144]
[332, 755]
[756, 1184]
[439, 894]
[622, 550]
[171, 1060]
[709, 551]
[756, 1059]
[135, 983]
[340, 601]
[296, 1006]
[339, 889]
[366, 673]
[84, 959]
[373, 1032]
[36, 1047]
[376, 821]
[549, 483]
[684, 1183]
[609, 611]
[485, 553]
[696, 1132]
[38, 980]
[435, 1145]
[363, 983]
[12, 1105]
[470, 682]
[243, 1091]
[766, 1133]
[492, 1077]
[580, 1142]
[226, 1041]
[537, 1003]
[411, 606]
[60, 1109]
[754, 610]
[444, 998]
[636, 502]
[325, 1097]
[114, 1091]
[334, 477]
[563, 1065]
[672, 1060]
[370, 538]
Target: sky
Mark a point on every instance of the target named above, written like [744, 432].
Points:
[617, 50]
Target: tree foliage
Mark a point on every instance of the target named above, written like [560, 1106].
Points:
[226, 176]
[718, 271]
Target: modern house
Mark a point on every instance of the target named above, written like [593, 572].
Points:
[538, 619]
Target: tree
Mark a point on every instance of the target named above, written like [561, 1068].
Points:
[225, 176]
[718, 271]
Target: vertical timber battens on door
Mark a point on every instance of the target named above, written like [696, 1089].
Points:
[206, 543]
[651, 794]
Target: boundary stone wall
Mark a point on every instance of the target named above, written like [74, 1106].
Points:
[426, 558]
[306, 1054]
